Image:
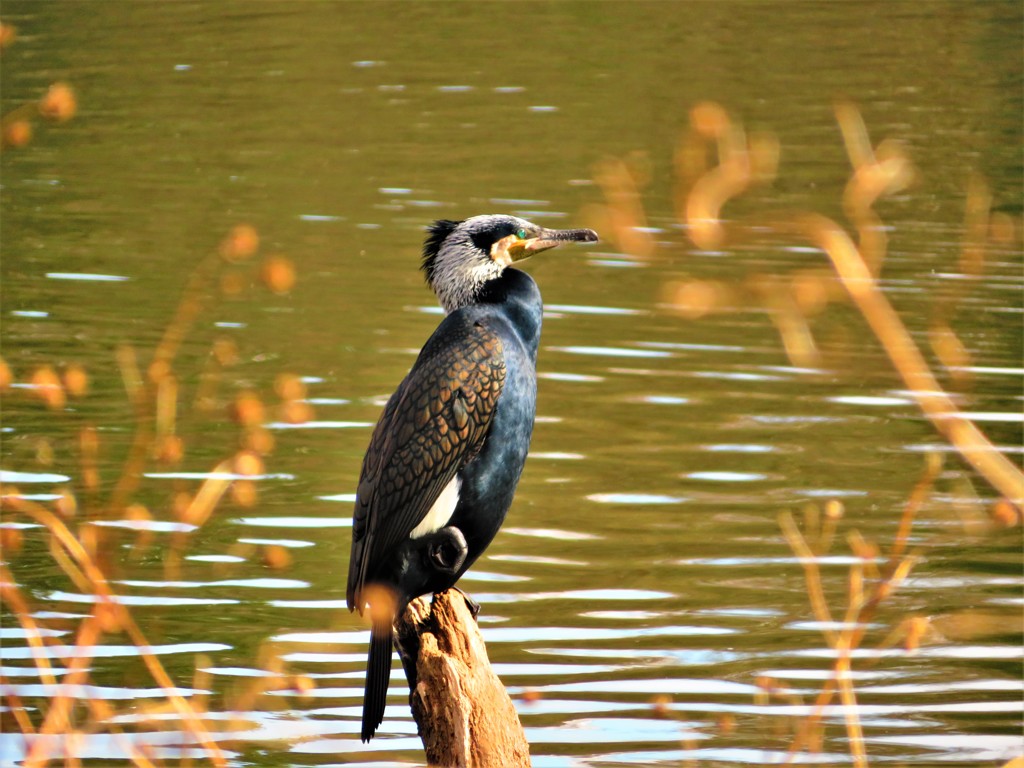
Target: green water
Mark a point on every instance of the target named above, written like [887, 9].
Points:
[643, 555]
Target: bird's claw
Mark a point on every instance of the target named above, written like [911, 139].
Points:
[448, 550]
[473, 605]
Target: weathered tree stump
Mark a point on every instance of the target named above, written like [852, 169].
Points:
[464, 715]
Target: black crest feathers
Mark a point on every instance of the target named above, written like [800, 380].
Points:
[436, 234]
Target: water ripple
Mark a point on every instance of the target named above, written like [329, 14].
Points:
[70, 651]
[726, 477]
[635, 498]
[9, 476]
[551, 533]
[612, 351]
[295, 522]
[260, 583]
[141, 600]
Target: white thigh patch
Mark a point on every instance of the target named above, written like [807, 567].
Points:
[439, 514]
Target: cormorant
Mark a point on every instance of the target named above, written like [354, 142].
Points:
[447, 452]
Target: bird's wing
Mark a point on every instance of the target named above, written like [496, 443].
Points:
[433, 425]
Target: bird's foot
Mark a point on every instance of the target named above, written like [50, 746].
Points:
[473, 605]
[447, 550]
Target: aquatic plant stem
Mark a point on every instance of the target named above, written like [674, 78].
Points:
[99, 586]
[937, 406]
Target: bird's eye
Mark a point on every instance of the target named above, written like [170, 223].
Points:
[521, 234]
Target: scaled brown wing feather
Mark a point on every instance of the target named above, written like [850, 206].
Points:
[434, 423]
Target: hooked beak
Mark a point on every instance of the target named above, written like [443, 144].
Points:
[547, 239]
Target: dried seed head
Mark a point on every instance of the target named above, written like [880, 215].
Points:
[304, 686]
[225, 352]
[289, 387]
[278, 274]
[248, 409]
[834, 509]
[1004, 514]
[259, 440]
[76, 380]
[66, 504]
[709, 119]
[248, 463]
[10, 541]
[277, 557]
[661, 704]
[47, 387]
[8, 34]
[137, 512]
[58, 103]
[244, 493]
[17, 134]
[296, 412]
[240, 244]
[531, 695]
[170, 449]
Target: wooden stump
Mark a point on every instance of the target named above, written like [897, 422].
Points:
[465, 716]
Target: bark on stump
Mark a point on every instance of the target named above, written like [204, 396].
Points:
[464, 715]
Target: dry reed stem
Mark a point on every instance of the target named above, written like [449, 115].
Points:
[128, 365]
[135, 754]
[809, 562]
[102, 713]
[88, 449]
[921, 491]
[855, 134]
[812, 722]
[883, 590]
[709, 194]
[99, 586]
[790, 322]
[845, 645]
[12, 596]
[858, 613]
[209, 494]
[16, 708]
[131, 471]
[866, 550]
[185, 315]
[627, 218]
[57, 718]
[834, 511]
[874, 175]
[188, 309]
[945, 343]
[977, 214]
[66, 564]
[70, 554]
[951, 352]
[907, 359]
[166, 405]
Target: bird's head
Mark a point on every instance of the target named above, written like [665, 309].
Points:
[460, 257]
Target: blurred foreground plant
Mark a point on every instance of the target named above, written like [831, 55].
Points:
[57, 105]
[717, 161]
[73, 528]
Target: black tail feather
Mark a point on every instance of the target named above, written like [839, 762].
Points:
[378, 675]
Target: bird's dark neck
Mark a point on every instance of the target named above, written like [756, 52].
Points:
[519, 298]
